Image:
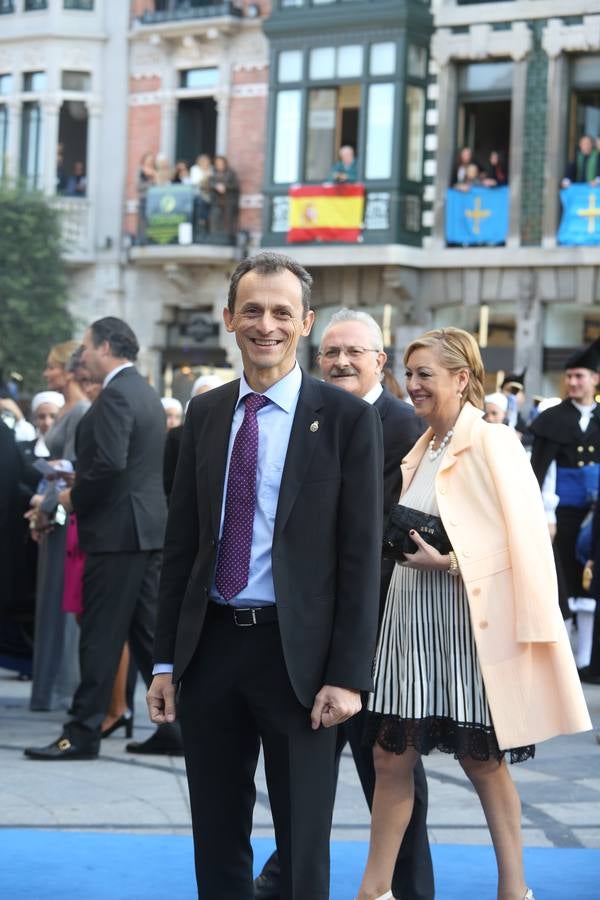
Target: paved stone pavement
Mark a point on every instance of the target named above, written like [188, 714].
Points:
[560, 788]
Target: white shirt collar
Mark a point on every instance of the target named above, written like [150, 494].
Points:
[282, 393]
[374, 394]
[114, 372]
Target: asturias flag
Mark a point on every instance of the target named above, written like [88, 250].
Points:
[326, 212]
[477, 216]
[580, 223]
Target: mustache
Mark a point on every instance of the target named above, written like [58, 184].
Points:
[342, 370]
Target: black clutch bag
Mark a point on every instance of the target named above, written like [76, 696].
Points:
[401, 520]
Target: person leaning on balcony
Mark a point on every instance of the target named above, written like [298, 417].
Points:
[344, 171]
[200, 175]
[585, 168]
[145, 180]
[494, 172]
[464, 158]
[471, 178]
[224, 198]
[77, 183]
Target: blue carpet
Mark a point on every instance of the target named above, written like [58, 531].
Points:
[72, 865]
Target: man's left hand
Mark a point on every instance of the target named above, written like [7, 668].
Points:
[334, 705]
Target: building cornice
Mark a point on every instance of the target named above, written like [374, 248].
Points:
[458, 16]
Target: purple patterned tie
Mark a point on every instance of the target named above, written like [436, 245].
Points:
[233, 564]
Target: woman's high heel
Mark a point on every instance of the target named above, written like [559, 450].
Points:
[125, 721]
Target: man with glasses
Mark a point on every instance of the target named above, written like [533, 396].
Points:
[351, 356]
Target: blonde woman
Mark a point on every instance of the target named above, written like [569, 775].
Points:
[55, 665]
[473, 657]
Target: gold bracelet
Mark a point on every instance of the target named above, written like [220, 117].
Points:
[454, 569]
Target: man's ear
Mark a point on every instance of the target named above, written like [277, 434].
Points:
[228, 319]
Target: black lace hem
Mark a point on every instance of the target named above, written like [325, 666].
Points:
[463, 739]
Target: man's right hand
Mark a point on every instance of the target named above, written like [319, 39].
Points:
[161, 699]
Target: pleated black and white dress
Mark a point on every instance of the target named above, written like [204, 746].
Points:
[429, 691]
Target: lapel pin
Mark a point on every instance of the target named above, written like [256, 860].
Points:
[314, 426]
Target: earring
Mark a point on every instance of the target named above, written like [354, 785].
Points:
[459, 395]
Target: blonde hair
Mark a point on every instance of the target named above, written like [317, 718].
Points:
[457, 350]
[60, 354]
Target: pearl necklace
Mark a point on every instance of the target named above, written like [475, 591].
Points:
[433, 454]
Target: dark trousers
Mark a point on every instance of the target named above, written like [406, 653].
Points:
[413, 874]
[119, 604]
[235, 694]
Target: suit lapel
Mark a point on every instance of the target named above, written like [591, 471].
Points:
[217, 433]
[303, 441]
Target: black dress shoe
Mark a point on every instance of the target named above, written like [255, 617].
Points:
[61, 749]
[266, 887]
[166, 741]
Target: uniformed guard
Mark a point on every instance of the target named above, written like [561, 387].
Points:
[569, 436]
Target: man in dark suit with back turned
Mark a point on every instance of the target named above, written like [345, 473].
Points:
[121, 512]
[268, 599]
[351, 356]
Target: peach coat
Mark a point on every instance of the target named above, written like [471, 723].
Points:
[491, 507]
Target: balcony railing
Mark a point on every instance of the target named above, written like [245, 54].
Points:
[75, 216]
[185, 13]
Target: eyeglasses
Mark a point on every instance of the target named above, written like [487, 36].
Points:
[332, 353]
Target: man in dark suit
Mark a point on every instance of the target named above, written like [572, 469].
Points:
[352, 356]
[268, 599]
[121, 511]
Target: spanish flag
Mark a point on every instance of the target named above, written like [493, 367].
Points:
[326, 213]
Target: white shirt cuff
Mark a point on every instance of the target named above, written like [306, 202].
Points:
[162, 669]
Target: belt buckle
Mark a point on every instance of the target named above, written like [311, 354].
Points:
[249, 609]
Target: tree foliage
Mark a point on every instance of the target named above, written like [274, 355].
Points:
[33, 284]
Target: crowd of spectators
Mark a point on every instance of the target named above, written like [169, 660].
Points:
[469, 172]
[216, 187]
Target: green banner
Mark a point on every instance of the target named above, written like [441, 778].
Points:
[167, 206]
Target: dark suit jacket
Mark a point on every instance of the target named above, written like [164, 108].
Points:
[118, 492]
[401, 430]
[172, 445]
[326, 543]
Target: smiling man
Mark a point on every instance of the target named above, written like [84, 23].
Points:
[352, 357]
[268, 600]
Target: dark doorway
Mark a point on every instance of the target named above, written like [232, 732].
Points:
[196, 128]
[485, 126]
[349, 127]
[72, 139]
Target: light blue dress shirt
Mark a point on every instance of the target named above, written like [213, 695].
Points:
[274, 428]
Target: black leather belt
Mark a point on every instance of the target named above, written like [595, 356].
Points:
[245, 617]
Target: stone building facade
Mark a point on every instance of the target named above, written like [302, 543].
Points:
[405, 81]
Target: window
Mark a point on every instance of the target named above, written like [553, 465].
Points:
[289, 66]
[3, 140]
[7, 6]
[6, 85]
[415, 124]
[585, 99]
[416, 65]
[32, 5]
[320, 133]
[199, 78]
[382, 59]
[335, 62]
[31, 144]
[86, 5]
[380, 131]
[287, 137]
[484, 112]
[76, 81]
[33, 82]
